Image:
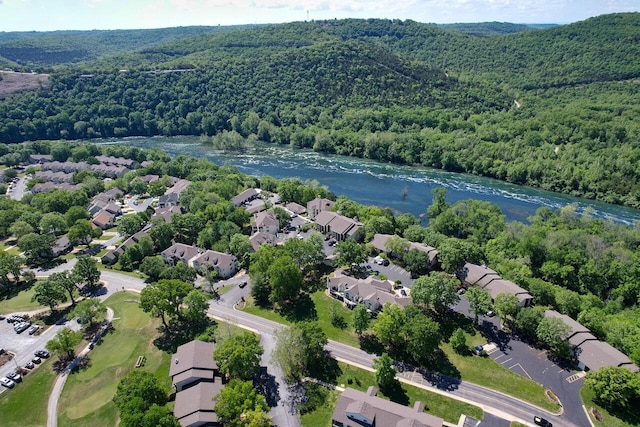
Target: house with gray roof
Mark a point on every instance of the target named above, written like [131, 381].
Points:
[260, 238]
[167, 213]
[179, 252]
[317, 205]
[225, 264]
[245, 197]
[591, 353]
[357, 409]
[265, 222]
[337, 226]
[167, 200]
[371, 291]
[197, 380]
[483, 277]
[379, 242]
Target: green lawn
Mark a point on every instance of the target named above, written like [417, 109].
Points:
[623, 419]
[86, 398]
[322, 305]
[26, 403]
[360, 379]
[21, 302]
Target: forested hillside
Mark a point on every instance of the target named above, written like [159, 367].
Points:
[38, 49]
[554, 108]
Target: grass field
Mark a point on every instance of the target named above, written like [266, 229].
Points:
[630, 418]
[26, 404]
[21, 302]
[86, 398]
[360, 379]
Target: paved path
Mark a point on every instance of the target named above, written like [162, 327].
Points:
[54, 397]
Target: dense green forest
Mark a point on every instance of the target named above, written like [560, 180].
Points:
[553, 108]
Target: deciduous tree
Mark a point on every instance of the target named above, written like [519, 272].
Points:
[86, 272]
[360, 319]
[479, 301]
[64, 344]
[436, 291]
[385, 372]
[237, 398]
[614, 387]
[239, 356]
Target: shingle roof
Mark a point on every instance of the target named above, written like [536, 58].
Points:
[194, 354]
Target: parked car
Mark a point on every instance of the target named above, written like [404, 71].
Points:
[7, 382]
[42, 353]
[36, 360]
[2, 317]
[21, 327]
[16, 377]
[541, 422]
[32, 330]
[242, 284]
[491, 313]
[461, 291]
[29, 365]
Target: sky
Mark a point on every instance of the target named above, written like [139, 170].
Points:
[50, 15]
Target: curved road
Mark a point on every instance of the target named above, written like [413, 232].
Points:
[491, 401]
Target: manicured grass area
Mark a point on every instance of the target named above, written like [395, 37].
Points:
[322, 305]
[359, 379]
[622, 419]
[321, 416]
[26, 403]
[488, 373]
[86, 398]
[517, 424]
[21, 302]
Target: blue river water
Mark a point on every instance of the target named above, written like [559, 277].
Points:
[401, 188]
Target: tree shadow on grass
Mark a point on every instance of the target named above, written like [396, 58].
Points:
[396, 393]
[327, 371]
[303, 309]
[451, 321]
[439, 362]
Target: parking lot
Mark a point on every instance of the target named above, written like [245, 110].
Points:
[24, 345]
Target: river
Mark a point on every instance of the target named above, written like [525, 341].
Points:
[383, 184]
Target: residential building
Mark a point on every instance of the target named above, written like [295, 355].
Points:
[196, 378]
[167, 213]
[379, 242]
[225, 264]
[104, 219]
[483, 277]
[317, 205]
[260, 238]
[168, 200]
[296, 208]
[357, 409]
[179, 252]
[591, 353]
[245, 197]
[372, 292]
[337, 226]
[265, 222]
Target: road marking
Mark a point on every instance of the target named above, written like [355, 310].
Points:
[523, 370]
[502, 363]
[575, 377]
[498, 357]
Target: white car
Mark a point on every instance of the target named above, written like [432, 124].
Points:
[7, 382]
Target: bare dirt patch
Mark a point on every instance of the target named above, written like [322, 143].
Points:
[18, 82]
